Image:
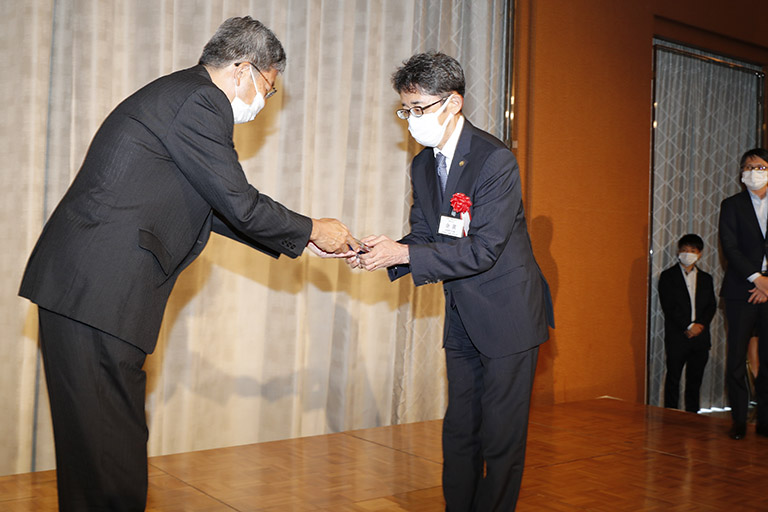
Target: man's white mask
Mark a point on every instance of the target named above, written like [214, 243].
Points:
[427, 130]
[244, 112]
[688, 258]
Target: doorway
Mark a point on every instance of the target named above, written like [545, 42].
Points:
[707, 111]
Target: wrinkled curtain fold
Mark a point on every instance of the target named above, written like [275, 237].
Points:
[251, 349]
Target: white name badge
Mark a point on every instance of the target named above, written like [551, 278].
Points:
[451, 226]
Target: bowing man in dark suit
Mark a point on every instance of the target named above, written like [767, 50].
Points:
[468, 231]
[687, 298]
[160, 174]
[743, 219]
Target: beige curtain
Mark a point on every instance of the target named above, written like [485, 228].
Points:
[251, 349]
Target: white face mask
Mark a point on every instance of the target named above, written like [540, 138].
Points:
[244, 112]
[754, 180]
[427, 130]
[688, 258]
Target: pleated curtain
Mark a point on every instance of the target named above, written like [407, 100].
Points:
[251, 349]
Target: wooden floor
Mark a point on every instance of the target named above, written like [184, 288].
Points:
[598, 455]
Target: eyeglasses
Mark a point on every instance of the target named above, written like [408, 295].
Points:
[272, 90]
[754, 167]
[417, 111]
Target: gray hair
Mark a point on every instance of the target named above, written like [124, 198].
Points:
[432, 73]
[244, 40]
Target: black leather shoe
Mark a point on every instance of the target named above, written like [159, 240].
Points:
[761, 430]
[738, 431]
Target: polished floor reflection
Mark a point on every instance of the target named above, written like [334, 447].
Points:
[596, 455]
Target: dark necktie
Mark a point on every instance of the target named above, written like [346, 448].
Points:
[442, 171]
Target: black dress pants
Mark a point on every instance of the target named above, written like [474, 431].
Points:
[742, 318]
[96, 388]
[486, 424]
[693, 356]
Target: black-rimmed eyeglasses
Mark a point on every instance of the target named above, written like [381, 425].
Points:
[273, 90]
[417, 111]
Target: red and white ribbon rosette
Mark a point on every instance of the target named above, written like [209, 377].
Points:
[460, 204]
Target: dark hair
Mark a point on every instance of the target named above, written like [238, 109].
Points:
[758, 152]
[691, 240]
[432, 73]
[244, 40]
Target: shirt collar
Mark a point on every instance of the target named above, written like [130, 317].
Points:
[755, 198]
[449, 148]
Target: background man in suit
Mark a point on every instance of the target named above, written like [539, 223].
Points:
[687, 298]
[160, 174]
[468, 230]
[743, 219]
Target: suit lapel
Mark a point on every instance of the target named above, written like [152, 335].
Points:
[432, 183]
[698, 296]
[459, 165]
[748, 211]
[425, 182]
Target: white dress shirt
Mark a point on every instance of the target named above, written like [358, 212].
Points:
[690, 283]
[761, 211]
[449, 148]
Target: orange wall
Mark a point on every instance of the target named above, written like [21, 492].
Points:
[583, 90]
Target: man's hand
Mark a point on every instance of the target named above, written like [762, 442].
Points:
[354, 261]
[761, 283]
[694, 331]
[319, 252]
[384, 253]
[353, 257]
[756, 296]
[332, 237]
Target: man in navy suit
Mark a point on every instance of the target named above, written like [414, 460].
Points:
[468, 231]
[743, 219]
[687, 298]
[160, 174]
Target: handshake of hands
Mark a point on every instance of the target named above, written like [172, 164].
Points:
[332, 239]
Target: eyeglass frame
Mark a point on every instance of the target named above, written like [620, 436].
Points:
[754, 168]
[273, 89]
[422, 109]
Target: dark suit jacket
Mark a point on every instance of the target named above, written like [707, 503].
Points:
[676, 304]
[160, 174]
[743, 244]
[490, 275]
